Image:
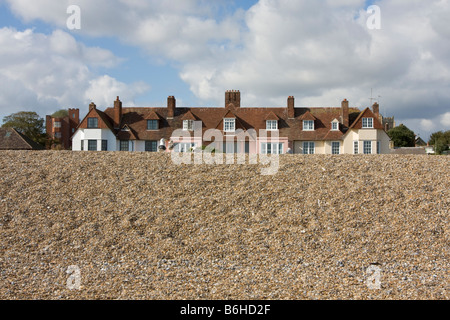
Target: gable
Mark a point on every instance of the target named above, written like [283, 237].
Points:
[103, 120]
[152, 115]
[367, 113]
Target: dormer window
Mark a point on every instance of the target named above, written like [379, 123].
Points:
[229, 125]
[152, 125]
[188, 125]
[308, 125]
[335, 125]
[271, 125]
[367, 123]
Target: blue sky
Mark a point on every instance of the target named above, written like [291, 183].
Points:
[319, 51]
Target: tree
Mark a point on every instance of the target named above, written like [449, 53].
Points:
[440, 140]
[27, 123]
[402, 137]
[60, 114]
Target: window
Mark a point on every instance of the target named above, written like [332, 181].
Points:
[92, 123]
[92, 145]
[124, 145]
[104, 145]
[188, 125]
[271, 148]
[367, 123]
[151, 146]
[82, 145]
[355, 147]
[229, 125]
[57, 124]
[367, 147]
[272, 125]
[308, 125]
[58, 135]
[335, 148]
[184, 147]
[73, 130]
[378, 147]
[152, 125]
[335, 126]
[309, 147]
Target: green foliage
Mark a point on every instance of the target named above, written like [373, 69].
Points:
[60, 114]
[28, 123]
[445, 136]
[402, 137]
[440, 140]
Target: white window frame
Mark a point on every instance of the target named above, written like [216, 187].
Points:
[272, 148]
[335, 126]
[57, 124]
[367, 123]
[355, 147]
[184, 146]
[229, 125]
[307, 125]
[188, 125]
[309, 147]
[271, 125]
[366, 148]
[333, 147]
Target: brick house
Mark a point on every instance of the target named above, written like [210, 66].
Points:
[234, 128]
[62, 129]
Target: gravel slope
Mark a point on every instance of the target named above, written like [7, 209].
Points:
[136, 226]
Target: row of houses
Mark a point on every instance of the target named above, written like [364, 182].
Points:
[230, 129]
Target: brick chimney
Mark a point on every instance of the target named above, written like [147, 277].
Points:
[92, 106]
[234, 97]
[345, 113]
[171, 106]
[291, 107]
[117, 113]
[376, 110]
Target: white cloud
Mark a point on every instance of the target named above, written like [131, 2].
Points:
[445, 121]
[44, 73]
[319, 51]
[104, 89]
[426, 125]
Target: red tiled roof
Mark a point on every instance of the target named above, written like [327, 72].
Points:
[152, 115]
[12, 139]
[367, 113]
[272, 116]
[246, 118]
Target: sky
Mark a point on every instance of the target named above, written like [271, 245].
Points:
[320, 51]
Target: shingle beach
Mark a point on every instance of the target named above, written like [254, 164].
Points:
[138, 226]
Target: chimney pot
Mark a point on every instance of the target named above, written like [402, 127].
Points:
[117, 113]
[171, 105]
[291, 107]
[345, 113]
[233, 97]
